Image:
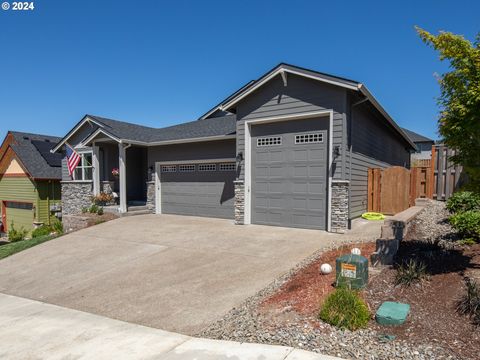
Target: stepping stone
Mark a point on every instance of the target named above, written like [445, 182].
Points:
[392, 313]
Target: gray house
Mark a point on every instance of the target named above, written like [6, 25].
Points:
[423, 145]
[289, 149]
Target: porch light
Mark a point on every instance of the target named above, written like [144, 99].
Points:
[336, 152]
[239, 157]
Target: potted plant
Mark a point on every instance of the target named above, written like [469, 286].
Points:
[115, 172]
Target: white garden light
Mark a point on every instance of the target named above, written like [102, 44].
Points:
[326, 269]
[356, 251]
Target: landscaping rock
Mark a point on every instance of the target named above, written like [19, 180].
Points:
[392, 313]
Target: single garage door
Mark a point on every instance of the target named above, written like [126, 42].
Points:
[21, 214]
[204, 189]
[289, 173]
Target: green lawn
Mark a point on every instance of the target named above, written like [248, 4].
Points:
[12, 248]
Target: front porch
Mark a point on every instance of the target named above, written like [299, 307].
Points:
[121, 170]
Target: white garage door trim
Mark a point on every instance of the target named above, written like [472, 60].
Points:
[248, 157]
[158, 183]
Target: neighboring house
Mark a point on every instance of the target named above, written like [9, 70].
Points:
[290, 149]
[423, 145]
[29, 180]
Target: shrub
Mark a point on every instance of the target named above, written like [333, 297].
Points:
[467, 224]
[410, 272]
[41, 231]
[15, 235]
[102, 199]
[463, 201]
[57, 226]
[100, 211]
[93, 209]
[469, 304]
[345, 309]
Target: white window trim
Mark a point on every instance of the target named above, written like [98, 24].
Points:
[79, 166]
[248, 157]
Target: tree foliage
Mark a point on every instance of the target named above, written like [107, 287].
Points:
[459, 122]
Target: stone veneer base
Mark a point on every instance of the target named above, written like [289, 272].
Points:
[75, 196]
[239, 202]
[339, 208]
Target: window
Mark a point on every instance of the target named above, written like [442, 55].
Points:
[169, 168]
[309, 138]
[207, 167]
[186, 168]
[227, 166]
[18, 205]
[269, 141]
[84, 169]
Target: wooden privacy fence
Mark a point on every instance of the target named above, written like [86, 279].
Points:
[447, 176]
[394, 189]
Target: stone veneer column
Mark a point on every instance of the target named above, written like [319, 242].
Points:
[239, 202]
[151, 195]
[75, 196]
[339, 216]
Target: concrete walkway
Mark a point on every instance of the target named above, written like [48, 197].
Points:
[34, 330]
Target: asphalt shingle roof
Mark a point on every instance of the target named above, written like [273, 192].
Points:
[416, 137]
[35, 159]
[225, 125]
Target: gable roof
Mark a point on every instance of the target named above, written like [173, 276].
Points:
[415, 137]
[217, 107]
[121, 131]
[33, 151]
[283, 69]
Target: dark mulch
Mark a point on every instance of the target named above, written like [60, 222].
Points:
[95, 219]
[433, 317]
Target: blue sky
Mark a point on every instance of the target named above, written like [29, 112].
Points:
[159, 63]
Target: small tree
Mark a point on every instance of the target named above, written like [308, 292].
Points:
[459, 122]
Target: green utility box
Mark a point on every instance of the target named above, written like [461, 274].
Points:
[392, 313]
[352, 271]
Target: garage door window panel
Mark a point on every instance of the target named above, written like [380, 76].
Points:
[269, 141]
[18, 205]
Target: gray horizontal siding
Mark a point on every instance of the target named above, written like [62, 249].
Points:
[374, 145]
[300, 96]
[220, 149]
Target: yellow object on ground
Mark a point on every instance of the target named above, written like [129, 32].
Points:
[373, 216]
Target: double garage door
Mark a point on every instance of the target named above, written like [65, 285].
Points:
[200, 189]
[289, 173]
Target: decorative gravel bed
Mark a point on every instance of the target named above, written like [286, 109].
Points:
[253, 322]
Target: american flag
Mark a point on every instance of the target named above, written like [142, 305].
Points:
[72, 159]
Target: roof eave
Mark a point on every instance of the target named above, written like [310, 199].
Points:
[71, 132]
[96, 133]
[282, 68]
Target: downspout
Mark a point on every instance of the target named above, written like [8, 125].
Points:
[48, 201]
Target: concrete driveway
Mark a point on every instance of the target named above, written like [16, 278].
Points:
[171, 272]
